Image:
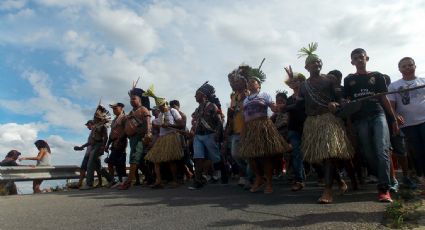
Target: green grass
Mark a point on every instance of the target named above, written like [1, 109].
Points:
[403, 212]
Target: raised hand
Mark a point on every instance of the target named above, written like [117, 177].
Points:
[289, 72]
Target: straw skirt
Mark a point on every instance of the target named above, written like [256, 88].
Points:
[324, 137]
[166, 148]
[260, 138]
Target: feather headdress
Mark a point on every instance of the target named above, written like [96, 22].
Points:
[102, 116]
[309, 52]
[258, 74]
[139, 92]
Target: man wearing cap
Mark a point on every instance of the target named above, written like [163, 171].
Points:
[84, 164]
[117, 142]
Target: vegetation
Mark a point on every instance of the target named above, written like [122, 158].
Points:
[403, 213]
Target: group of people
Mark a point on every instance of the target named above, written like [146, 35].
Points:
[43, 159]
[368, 123]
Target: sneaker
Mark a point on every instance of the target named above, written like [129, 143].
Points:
[409, 183]
[371, 179]
[297, 186]
[241, 181]
[247, 185]
[116, 185]
[195, 186]
[395, 186]
[384, 197]
[86, 187]
[112, 183]
[216, 176]
[207, 177]
[125, 186]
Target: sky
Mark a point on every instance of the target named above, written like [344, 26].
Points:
[58, 58]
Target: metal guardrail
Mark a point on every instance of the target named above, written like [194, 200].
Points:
[26, 173]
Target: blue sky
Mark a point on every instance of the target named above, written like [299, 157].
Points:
[58, 57]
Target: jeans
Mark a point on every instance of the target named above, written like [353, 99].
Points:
[94, 164]
[297, 157]
[235, 154]
[374, 141]
[415, 135]
[205, 146]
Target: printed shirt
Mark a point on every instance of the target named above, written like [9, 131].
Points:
[256, 105]
[209, 113]
[118, 125]
[362, 85]
[411, 104]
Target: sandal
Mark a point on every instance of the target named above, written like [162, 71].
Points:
[157, 186]
[324, 201]
[268, 190]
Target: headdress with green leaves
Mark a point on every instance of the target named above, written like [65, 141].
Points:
[309, 53]
[158, 100]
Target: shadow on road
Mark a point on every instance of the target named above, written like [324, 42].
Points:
[215, 195]
[304, 220]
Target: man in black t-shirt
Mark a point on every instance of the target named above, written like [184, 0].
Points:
[369, 121]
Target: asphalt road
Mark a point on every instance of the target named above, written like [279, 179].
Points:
[214, 207]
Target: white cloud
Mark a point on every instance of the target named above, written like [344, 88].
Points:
[124, 28]
[57, 111]
[21, 14]
[12, 4]
[22, 137]
[178, 46]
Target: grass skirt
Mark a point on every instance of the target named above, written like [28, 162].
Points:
[260, 138]
[166, 148]
[324, 137]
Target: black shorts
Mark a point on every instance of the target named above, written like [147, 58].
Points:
[117, 157]
[398, 145]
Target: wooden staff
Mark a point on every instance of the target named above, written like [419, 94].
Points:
[353, 106]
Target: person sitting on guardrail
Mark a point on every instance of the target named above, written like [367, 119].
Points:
[42, 158]
[9, 187]
[11, 158]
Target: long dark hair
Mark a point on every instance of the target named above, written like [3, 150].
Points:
[42, 144]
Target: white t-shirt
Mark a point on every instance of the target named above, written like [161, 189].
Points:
[168, 117]
[410, 104]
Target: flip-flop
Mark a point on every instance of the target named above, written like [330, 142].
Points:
[157, 186]
[324, 201]
[255, 189]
